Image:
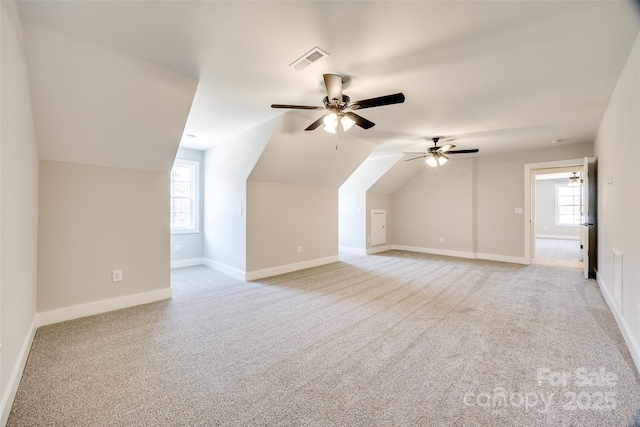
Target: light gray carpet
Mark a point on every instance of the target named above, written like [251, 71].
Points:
[395, 339]
[558, 248]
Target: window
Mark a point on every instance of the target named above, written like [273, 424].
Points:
[568, 205]
[185, 192]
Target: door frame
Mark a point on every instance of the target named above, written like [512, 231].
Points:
[529, 170]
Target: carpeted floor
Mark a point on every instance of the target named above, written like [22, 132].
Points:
[395, 339]
[558, 252]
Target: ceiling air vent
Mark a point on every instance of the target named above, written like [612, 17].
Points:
[308, 58]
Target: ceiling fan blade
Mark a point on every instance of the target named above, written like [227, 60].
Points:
[415, 153]
[296, 107]
[360, 121]
[474, 150]
[419, 157]
[317, 123]
[396, 98]
[441, 140]
[446, 148]
[333, 83]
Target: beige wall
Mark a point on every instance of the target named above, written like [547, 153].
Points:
[18, 208]
[281, 217]
[356, 200]
[501, 190]
[352, 222]
[471, 203]
[436, 203]
[618, 156]
[379, 201]
[226, 168]
[94, 220]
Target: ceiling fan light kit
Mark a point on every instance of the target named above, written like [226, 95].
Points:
[340, 115]
[574, 180]
[331, 122]
[436, 160]
[436, 155]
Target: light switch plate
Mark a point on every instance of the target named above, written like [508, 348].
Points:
[116, 276]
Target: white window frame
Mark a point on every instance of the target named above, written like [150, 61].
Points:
[557, 205]
[195, 196]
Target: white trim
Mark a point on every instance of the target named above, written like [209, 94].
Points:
[282, 269]
[229, 271]
[433, 251]
[503, 258]
[378, 248]
[188, 262]
[460, 254]
[352, 250]
[557, 236]
[16, 374]
[627, 334]
[98, 307]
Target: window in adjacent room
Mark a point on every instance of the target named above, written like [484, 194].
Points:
[568, 205]
[185, 192]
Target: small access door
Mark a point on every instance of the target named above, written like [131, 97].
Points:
[378, 227]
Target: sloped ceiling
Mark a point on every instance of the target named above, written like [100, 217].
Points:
[397, 175]
[499, 75]
[369, 172]
[99, 107]
[316, 159]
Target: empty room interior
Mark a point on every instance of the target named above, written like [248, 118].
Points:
[319, 213]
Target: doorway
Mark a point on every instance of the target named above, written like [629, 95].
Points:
[556, 220]
[585, 168]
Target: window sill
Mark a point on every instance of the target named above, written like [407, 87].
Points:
[185, 232]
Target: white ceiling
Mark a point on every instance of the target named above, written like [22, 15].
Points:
[99, 107]
[500, 76]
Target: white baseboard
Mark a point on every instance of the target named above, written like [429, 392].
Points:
[230, 271]
[434, 251]
[627, 334]
[282, 269]
[187, 262]
[461, 254]
[502, 258]
[378, 249]
[556, 236]
[352, 250]
[16, 374]
[75, 312]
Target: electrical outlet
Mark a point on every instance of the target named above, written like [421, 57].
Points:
[442, 240]
[176, 248]
[299, 249]
[116, 276]
[519, 211]
[240, 210]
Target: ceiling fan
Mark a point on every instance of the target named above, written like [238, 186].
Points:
[339, 106]
[436, 155]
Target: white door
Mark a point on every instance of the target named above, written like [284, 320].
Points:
[378, 227]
